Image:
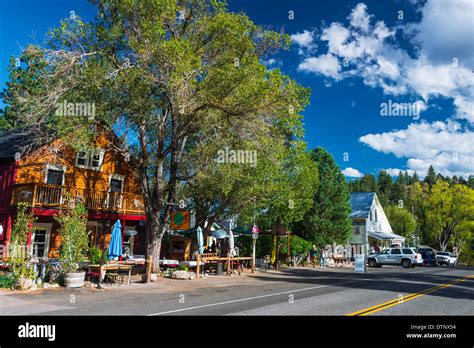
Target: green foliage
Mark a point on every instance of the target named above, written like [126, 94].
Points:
[95, 255]
[263, 245]
[402, 221]
[327, 221]
[19, 257]
[447, 208]
[73, 232]
[7, 281]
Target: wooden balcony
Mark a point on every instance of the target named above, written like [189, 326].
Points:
[59, 197]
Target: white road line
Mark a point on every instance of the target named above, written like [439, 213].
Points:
[276, 294]
[252, 298]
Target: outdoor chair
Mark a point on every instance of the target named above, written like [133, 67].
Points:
[113, 276]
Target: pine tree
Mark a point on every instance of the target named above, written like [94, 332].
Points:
[368, 183]
[414, 179]
[430, 177]
[398, 195]
[385, 184]
[328, 220]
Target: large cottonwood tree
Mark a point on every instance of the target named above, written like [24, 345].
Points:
[167, 77]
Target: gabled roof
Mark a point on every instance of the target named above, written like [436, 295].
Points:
[361, 203]
[14, 141]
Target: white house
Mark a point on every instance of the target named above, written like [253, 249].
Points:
[370, 226]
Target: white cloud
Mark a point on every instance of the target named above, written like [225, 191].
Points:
[327, 65]
[445, 145]
[352, 173]
[446, 31]
[439, 63]
[305, 41]
[396, 171]
[368, 51]
[359, 18]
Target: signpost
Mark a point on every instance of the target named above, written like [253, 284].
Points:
[255, 231]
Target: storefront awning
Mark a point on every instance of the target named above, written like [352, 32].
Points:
[385, 236]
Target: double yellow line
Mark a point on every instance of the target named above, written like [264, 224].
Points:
[401, 300]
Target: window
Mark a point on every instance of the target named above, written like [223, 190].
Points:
[40, 240]
[54, 175]
[116, 185]
[396, 252]
[375, 215]
[82, 159]
[96, 160]
[90, 160]
[115, 191]
[386, 251]
[407, 251]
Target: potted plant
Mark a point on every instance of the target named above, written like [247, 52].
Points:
[74, 244]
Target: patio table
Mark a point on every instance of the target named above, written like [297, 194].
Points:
[112, 267]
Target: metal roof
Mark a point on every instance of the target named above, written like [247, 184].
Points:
[361, 203]
[385, 236]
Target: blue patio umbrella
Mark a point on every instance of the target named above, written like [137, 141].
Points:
[200, 240]
[219, 234]
[115, 246]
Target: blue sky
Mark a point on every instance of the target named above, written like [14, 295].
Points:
[355, 56]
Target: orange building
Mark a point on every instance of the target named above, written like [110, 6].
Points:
[54, 174]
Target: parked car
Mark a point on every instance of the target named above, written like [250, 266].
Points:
[407, 257]
[429, 257]
[446, 258]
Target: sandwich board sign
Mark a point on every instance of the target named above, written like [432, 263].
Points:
[360, 264]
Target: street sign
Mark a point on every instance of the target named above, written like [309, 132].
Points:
[181, 220]
[255, 235]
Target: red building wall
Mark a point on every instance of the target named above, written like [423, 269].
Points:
[7, 180]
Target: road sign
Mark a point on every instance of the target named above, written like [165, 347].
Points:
[255, 235]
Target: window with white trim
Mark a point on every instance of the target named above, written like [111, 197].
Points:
[90, 159]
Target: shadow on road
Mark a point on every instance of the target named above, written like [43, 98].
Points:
[389, 280]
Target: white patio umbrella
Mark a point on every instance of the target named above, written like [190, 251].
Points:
[231, 243]
[200, 240]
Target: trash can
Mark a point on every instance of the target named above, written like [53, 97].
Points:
[220, 269]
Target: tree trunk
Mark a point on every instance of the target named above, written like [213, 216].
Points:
[155, 231]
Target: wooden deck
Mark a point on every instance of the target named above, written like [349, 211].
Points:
[59, 197]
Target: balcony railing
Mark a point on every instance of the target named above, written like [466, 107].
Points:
[59, 197]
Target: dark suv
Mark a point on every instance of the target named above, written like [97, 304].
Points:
[429, 257]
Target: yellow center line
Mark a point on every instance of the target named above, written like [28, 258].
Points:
[409, 297]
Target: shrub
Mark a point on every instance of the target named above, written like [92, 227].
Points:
[19, 257]
[73, 232]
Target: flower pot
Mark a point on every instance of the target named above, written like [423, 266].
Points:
[74, 279]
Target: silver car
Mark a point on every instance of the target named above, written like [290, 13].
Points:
[407, 257]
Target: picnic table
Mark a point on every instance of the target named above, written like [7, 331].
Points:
[116, 266]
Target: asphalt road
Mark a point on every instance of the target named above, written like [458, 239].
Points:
[389, 290]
